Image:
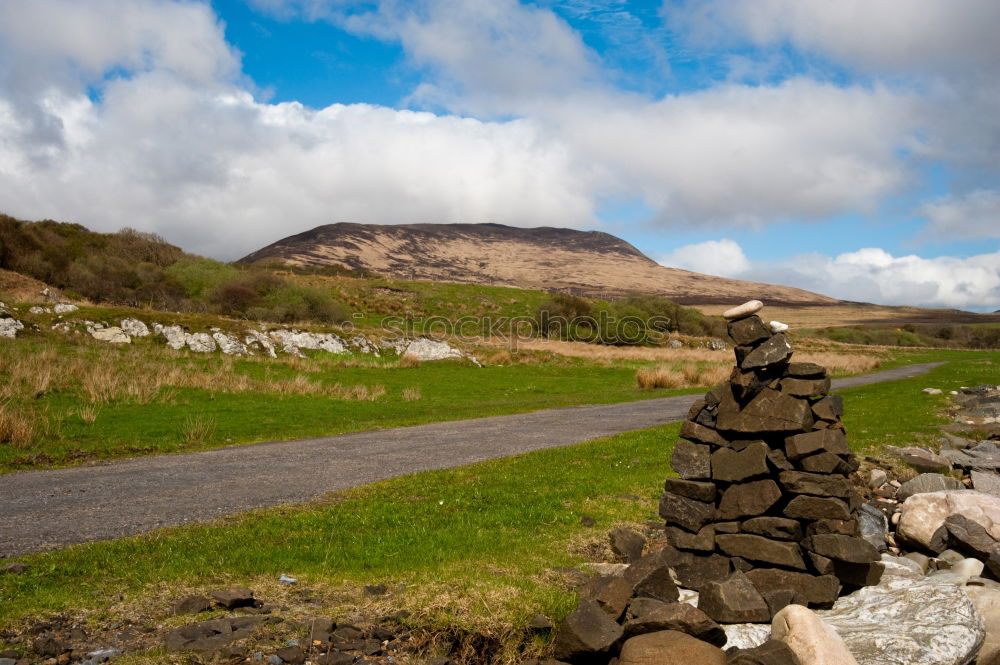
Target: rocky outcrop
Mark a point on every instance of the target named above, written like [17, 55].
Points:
[9, 327]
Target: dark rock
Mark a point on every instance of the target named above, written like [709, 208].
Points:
[817, 508]
[858, 574]
[748, 331]
[748, 499]
[650, 577]
[48, 645]
[841, 548]
[292, 655]
[235, 596]
[841, 527]
[694, 572]
[541, 622]
[211, 635]
[758, 548]
[727, 527]
[772, 652]
[927, 482]
[337, 658]
[924, 460]
[819, 591]
[734, 600]
[806, 371]
[777, 460]
[746, 384]
[771, 352]
[587, 520]
[970, 537]
[586, 633]
[732, 465]
[703, 541]
[778, 599]
[696, 409]
[669, 647]
[692, 460]
[685, 512]
[825, 463]
[376, 589]
[781, 528]
[692, 431]
[830, 407]
[193, 605]
[874, 526]
[804, 387]
[627, 544]
[320, 629]
[824, 440]
[676, 616]
[815, 484]
[13, 654]
[611, 593]
[769, 411]
[740, 564]
[822, 565]
[692, 489]
[14, 568]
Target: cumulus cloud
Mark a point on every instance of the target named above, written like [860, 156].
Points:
[873, 275]
[722, 257]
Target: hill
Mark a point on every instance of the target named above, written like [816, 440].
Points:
[585, 263]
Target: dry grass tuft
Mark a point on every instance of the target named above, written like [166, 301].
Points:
[408, 361]
[17, 426]
[198, 428]
[648, 378]
[411, 394]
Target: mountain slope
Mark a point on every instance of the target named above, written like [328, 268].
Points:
[588, 263]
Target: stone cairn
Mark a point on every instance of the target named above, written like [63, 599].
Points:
[763, 513]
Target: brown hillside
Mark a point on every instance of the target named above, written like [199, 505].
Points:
[588, 263]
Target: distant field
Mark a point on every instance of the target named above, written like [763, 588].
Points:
[826, 316]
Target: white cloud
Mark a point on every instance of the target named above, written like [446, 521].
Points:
[722, 257]
[873, 275]
[975, 215]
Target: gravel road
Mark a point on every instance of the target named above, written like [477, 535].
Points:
[47, 509]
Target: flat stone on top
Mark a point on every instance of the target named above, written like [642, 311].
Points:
[746, 309]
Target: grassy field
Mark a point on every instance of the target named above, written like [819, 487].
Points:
[474, 546]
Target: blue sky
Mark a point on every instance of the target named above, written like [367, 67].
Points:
[845, 147]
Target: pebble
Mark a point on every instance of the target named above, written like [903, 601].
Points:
[931, 391]
[286, 579]
[746, 309]
[778, 326]
[877, 478]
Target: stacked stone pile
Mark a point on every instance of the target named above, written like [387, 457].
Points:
[763, 513]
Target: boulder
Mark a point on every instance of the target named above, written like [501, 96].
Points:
[734, 600]
[923, 514]
[748, 499]
[691, 460]
[66, 308]
[627, 544]
[611, 593]
[830, 407]
[699, 433]
[692, 489]
[824, 440]
[841, 548]
[819, 591]
[806, 370]
[987, 604]
[924, 460]
[804, 387]
[134, 328]
[234, 596]
[772, 652]
[112, 335]
[748, 331]
[650, 576]
[927, 482]
[586, 633]
[424, 350]
[669, 647]
[175, 335]
[815, 484]
[735, 465]
[258, 340]
[811, 640]
[970, 537]
[903, 621]
[201, 343]
[764, 550]
[688, 513]
[769, 411]
[653, 616]
[874, 526]
[775, 350]
[817, 508]
[985, 481]
[229, 345]
[9, 327]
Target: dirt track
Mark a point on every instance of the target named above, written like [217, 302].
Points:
[46, 509]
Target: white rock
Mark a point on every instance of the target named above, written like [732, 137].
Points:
[746, 309]
[9, 327]
[135, 328]
[328, 342]
[201, 343]
[952, 392]
[901, 567]
[778, 326]
[809, 637]
[362, 344]
[424, 349]
[931, 391]
[967, 568]
[258, 340]
[39, 310]
[746, 635]
[64, 308]
[877, 478]
[229, 345]
[398, 346]
[902, 621]
[923, 514]
[176, 336]
[987, 602]
[112, 335]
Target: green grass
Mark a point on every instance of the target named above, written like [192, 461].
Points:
[513, 516]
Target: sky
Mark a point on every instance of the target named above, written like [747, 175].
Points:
[848, 147]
